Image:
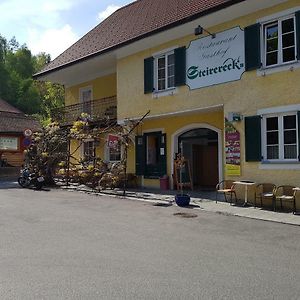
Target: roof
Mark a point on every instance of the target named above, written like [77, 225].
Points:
[133, 22]
[13, 120]
[4, 106]
[17, 123]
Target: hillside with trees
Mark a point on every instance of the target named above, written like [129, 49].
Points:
[17, 65]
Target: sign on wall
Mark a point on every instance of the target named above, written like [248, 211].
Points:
[8, 143]
[216, 60]
[113, 141]
[232, 150]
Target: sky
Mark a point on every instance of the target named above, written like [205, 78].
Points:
[51, 26]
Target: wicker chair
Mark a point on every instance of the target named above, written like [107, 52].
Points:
[264, 191]
[285, 193]
[226, 187]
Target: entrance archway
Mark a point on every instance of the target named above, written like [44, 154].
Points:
[201, 144]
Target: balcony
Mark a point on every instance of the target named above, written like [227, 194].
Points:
[100, 111]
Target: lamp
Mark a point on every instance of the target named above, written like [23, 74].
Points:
[199, 30]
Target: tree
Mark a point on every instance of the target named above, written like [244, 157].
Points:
[17, 65]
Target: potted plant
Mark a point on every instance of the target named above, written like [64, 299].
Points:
[181, 166]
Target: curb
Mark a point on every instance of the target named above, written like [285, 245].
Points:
[165, 201]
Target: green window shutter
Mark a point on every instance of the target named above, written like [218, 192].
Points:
[139, 155]
[253, 138]
[180, 66]
[298, 117]
[148, 75]
[297, 15]
[163, 154]
[252, 47]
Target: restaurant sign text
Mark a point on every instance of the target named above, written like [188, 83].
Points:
[216, 60]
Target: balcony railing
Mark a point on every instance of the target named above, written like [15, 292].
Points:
[100, 110]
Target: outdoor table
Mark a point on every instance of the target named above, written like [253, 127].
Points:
[245, 183]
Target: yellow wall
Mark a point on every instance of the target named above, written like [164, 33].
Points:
[102, 87]
[170, 125]
[245, 96]
[259, 91]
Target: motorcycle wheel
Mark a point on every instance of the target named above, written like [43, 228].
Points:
[38, 185]
[23, 182]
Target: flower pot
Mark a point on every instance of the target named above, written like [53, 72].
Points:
[182, 199]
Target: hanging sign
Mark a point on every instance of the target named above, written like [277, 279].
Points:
[232, 150]
[216, 60]
[113, 141]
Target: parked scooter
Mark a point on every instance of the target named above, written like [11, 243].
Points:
[27, 179]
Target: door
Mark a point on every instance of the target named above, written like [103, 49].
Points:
[85, 99]
[205, 165]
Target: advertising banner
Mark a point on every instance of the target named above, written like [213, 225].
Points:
[216, 60]
[232, 150]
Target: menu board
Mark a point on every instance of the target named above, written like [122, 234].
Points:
[8, 143]
[232, 150]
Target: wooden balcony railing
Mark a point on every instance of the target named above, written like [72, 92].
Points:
[100, 110]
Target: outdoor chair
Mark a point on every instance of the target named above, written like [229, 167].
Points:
[226, 187]
[264, 191]
[285, 193]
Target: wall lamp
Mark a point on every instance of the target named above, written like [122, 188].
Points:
[199, 30]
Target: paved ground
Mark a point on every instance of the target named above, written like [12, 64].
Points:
[204, 200]
[69, 245]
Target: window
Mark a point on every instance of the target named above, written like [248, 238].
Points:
[85, 99]
[151, 160]
[165, 71]
[88, 150]
[280, 137]
[114, 148]
[152, 150]
[280, 42]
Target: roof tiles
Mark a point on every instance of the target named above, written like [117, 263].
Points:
[132, 22]
[13, 120]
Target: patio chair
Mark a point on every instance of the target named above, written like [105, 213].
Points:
[285, 193]
[226, 187]
[264, 191]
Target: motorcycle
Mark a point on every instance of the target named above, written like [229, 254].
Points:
[27, 179]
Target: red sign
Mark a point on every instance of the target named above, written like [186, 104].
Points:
[113, 141]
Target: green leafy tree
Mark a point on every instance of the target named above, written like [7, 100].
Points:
[17, 65]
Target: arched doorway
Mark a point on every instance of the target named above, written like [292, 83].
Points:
[201, 145]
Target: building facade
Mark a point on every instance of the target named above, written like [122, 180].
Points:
[220, 78]
[13, 142]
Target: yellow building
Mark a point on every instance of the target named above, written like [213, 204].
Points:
[220, 78]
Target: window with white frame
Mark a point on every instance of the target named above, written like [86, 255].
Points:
[85, 95]
[115, 153]
[164, 71]
[280, 137]
[279, 40]
[114, 148]
[88, 150]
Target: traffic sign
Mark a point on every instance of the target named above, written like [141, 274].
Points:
[27, 142]
[27, 132]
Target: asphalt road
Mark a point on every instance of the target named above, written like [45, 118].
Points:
[68, 245]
